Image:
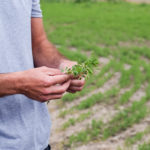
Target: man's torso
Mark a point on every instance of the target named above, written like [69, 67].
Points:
[24, 123]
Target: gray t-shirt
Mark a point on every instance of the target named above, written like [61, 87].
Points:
[24, 123]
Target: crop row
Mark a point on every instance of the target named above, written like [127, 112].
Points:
[120, 122]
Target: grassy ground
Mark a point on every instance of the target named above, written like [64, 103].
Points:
[112, 112]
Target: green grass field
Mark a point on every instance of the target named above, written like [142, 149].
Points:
[119, 35]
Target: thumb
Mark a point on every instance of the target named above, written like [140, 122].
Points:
[53, 72]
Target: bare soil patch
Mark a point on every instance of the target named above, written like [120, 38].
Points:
[139, 1]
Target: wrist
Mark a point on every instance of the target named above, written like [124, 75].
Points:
[17, 81]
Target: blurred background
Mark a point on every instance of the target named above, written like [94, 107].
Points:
[113, 110]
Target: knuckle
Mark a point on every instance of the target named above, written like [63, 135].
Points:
[46, 82]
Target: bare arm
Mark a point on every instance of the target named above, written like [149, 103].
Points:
[9, 84]
[44, 52]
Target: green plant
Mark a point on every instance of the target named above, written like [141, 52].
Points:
[83, 70]
[145, 146]
[73, 121]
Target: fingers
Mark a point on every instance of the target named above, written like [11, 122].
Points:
[75, 88]
[55, 92]
[58, 79]
[50, 97]
[77, 83]
[57, 89]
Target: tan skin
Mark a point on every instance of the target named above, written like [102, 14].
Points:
[46, 81]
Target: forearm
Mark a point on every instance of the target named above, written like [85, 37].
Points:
[9, 84]
[46, 54]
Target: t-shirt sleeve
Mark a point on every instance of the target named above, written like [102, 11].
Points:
[36, 10]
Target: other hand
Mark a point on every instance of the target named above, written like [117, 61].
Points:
[75, 84]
